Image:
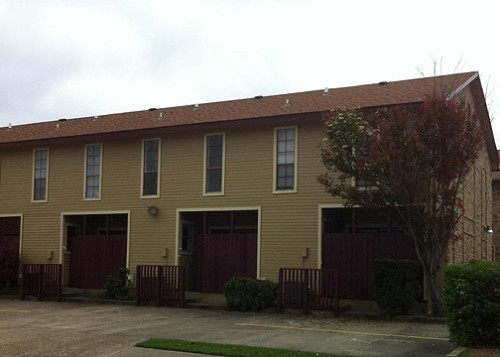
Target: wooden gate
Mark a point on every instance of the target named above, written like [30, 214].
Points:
[160, 283]
[353, 255]
[220, 257]
[42, 281]
[308, 289]
[94, 258]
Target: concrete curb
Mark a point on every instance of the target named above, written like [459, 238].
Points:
[456, 352]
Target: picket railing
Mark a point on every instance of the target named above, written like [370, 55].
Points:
[42, 281]
[308, 289]
[163, 284]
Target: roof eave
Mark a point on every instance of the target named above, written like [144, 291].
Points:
[482, 109]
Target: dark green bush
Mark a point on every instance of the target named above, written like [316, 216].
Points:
[247, 294]
[117, 285]
[472, 301]
[397, 285]
[9, 266]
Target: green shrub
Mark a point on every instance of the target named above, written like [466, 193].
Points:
[472, 301]
[247, 294]
[117, 285]
[9, 266]
[397, 285]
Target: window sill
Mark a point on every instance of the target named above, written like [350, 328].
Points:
[209, 194]
[279, 192]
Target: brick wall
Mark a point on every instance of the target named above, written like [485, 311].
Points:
[472, 241]
[496, 214]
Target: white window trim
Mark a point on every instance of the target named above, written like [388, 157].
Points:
[223, 174]
[296, 162]
[142, 169]
[85, 198]
[46, 177]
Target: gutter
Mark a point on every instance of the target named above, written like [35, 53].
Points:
[462, 86]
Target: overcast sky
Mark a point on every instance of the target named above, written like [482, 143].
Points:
[66, 59]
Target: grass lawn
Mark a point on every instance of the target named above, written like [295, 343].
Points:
[217, 349]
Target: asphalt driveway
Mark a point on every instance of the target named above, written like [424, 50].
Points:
[31, 328]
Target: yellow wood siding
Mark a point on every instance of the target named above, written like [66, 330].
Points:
[289, 221]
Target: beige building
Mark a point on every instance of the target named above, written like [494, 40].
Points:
[224, 189]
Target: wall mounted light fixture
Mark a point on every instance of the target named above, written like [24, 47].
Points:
[152, 210]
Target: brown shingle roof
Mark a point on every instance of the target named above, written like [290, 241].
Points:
[371, 95]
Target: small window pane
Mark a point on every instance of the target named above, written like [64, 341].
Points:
[150, 183]
[281, 159]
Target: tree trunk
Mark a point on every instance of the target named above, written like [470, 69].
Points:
[427, 282]
[432, 291]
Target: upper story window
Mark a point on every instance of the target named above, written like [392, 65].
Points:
[357, 181]
[150, 167]
[93, 165]
[285, 170]
[40, 174]
[362, 183]
[214, 164]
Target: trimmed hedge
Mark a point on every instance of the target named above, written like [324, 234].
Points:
[397, 285]
[9, 266]
[248, 294]
[472, 300]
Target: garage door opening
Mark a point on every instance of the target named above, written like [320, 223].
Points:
[94, 246]
[216, 246]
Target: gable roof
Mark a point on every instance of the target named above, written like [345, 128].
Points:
[370, 95]
[264, 108]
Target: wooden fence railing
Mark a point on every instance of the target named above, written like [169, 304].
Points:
[42, 281]
[164, 284]
[308, 289]
[352, 255]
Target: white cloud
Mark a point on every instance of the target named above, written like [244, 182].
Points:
[69, 59]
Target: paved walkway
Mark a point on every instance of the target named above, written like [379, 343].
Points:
[30, 328]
